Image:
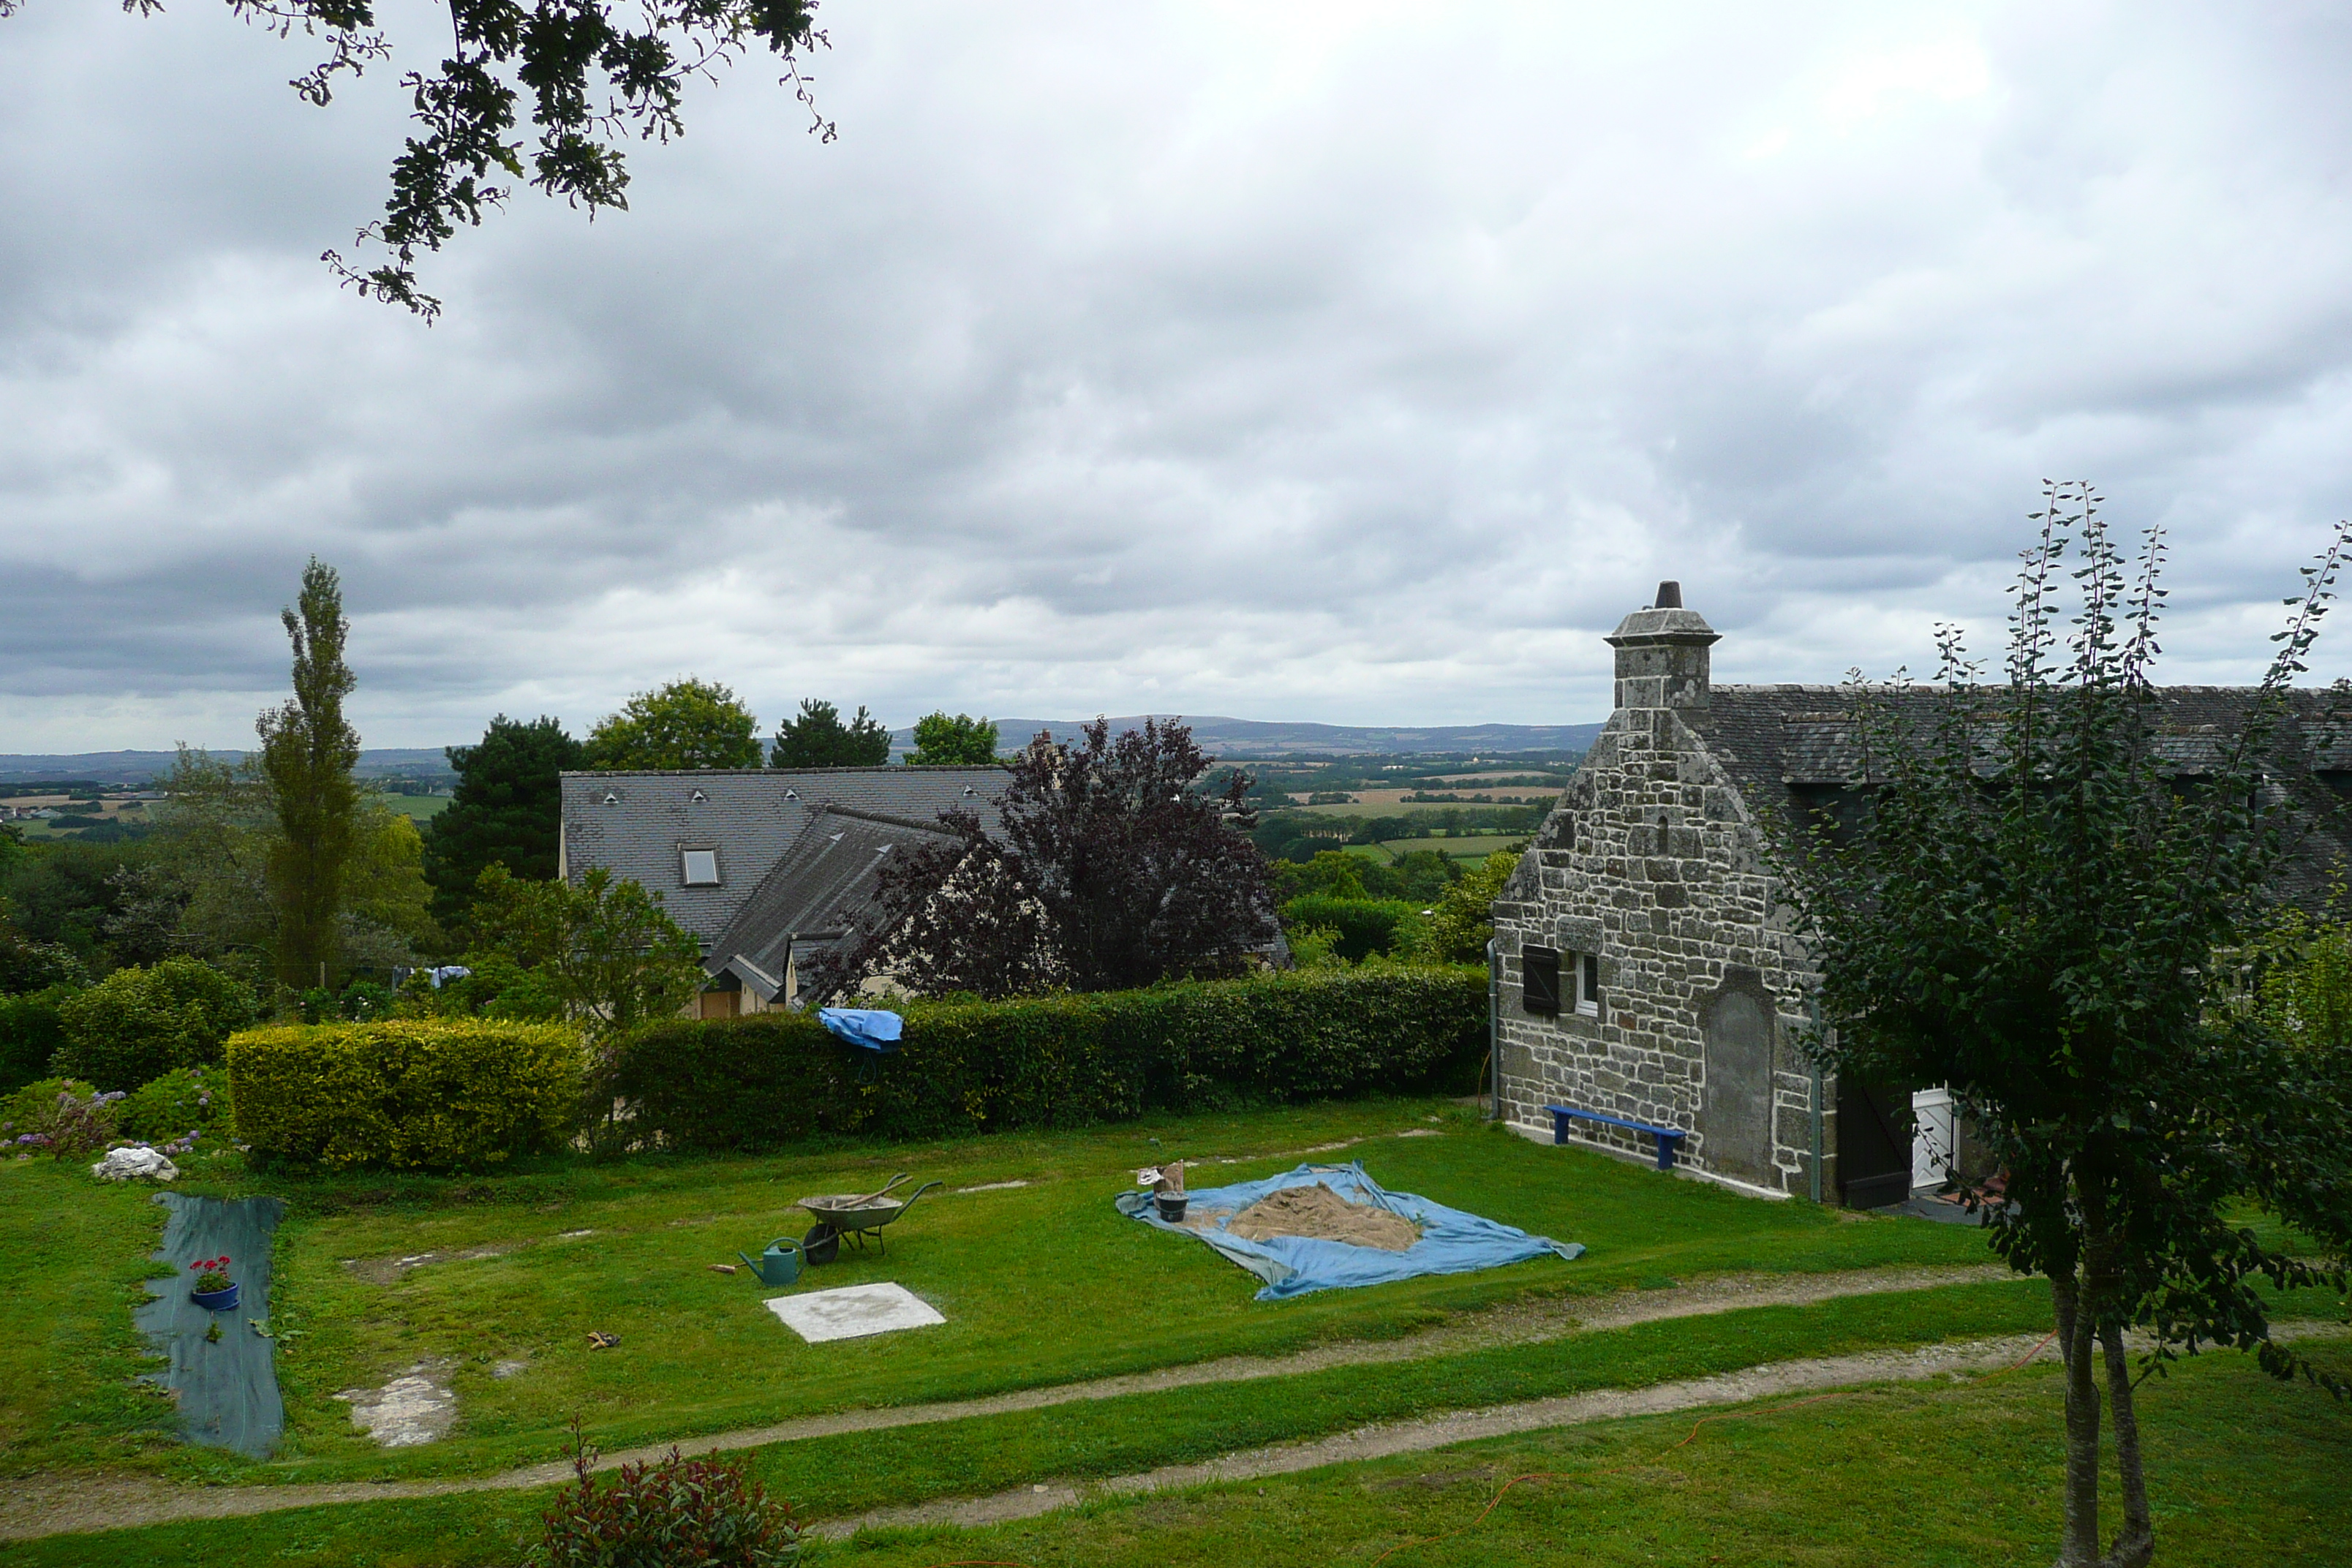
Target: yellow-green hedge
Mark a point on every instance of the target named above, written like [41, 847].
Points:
[429, 1093]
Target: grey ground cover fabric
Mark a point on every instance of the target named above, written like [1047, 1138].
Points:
[226, 1390]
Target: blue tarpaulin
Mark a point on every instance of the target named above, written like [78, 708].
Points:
[1450, 1242]
[874, 1029]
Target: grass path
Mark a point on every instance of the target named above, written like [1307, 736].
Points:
[1964, 1359]
[1934, 1473]
[40, 1506]
[1953, 1360]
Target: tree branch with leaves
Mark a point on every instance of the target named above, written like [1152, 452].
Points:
[596, 76]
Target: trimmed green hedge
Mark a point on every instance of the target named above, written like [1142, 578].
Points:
[430, 1093]
[1365, 925]
[768, 1080]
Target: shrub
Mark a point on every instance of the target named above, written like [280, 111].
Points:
[1059, 1061]
[137, 1025]
[35, 1102]
[185, 1099]
[417, 1093]
[1365, 925]
[678, 1511]
[1464, 918]
[32, 1031]
[66, 1119]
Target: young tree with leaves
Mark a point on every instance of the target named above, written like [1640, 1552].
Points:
[606, 949]
[508, 810]
[308, 751]
[2033, 909]
[945, 739]
[818, 739]
[686, 724]
[1111, 869]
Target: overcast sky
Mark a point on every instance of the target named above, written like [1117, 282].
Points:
[1352, 363]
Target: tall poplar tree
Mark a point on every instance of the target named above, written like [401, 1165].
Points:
[308, 750]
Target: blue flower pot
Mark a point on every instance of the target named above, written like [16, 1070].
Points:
[215, 1301]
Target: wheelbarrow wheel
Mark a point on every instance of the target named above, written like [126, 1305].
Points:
[821, 1244]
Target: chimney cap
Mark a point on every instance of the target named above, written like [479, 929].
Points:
[1670, 596]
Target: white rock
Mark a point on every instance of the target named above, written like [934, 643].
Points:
[121, 1164]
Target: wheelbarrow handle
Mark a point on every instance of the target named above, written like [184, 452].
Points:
[919, 1192]
[885, 1187]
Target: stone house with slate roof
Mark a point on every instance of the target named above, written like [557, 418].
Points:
[765, 868]
[1647, 969]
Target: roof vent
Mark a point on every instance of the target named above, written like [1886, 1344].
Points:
[699, 798]
[1670, 596]
[792, 794]
[967, 790]
[612, 798]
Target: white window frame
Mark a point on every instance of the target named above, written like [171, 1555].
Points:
[686, 877]
[1584, 987]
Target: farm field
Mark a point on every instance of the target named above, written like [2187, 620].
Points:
[1391, 803]
[421, 808]
[1468, 848]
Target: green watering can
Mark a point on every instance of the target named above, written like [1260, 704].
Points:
[780, 1265]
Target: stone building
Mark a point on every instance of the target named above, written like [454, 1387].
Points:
[1650, 972]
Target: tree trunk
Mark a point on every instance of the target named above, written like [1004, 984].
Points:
[2136, 1543]
[2080, 1546]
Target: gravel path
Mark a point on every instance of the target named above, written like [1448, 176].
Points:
[62, 1504]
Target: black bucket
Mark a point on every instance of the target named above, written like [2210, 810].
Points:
[1171, 1206]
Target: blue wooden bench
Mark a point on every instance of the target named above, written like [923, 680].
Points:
[1669, 1139]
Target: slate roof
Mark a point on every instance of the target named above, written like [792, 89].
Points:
[1776, 740]
[637, 824]
[822, 885]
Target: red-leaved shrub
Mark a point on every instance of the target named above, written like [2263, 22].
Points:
[668, 1514]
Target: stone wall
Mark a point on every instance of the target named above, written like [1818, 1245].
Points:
[1653, 862]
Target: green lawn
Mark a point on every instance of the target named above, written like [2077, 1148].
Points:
[1042, 1283]
[2241, 1469]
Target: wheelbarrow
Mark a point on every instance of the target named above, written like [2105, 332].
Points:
[859, 1216]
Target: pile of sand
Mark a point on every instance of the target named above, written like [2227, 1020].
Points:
[1321, 1214]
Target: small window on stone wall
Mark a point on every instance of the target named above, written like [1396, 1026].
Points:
[1585, 978]
[1539, 980]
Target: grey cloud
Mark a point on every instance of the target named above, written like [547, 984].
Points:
[1329, 365]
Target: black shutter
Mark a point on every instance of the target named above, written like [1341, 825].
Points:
[1539, 984]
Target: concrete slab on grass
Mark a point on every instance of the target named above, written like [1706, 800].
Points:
[854, 1312]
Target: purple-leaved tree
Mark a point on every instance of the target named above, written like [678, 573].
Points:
[1111, 868]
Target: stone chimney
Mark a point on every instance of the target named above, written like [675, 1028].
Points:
[1662, 658]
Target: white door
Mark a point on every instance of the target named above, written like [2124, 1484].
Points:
[1933, 1125]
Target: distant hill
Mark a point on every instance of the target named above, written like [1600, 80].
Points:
[1240, 738]
[138, 767]
[1229, 738]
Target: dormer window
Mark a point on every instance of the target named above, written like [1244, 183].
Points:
[698, 867]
